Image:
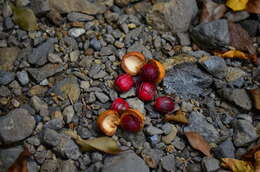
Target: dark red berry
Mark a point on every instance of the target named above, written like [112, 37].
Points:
[146, 91]
[164, 104]
[149, 72]
[119, 105]
[130, 123]
[124, 82]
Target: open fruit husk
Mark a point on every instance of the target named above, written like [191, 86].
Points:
[108, 121]
[161, 70]
[132, 120]
[132, 62]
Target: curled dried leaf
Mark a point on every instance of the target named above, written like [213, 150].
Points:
[237, 165]
[237, 54]
[198, 143]
[253, 6]
[178, 117]
[257, 161]
[20, 165]
[249, 155]
[103, 144]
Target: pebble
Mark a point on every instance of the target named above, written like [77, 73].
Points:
[171, 136]
[23, 77]
[68, 114]
[6, 77]
[136, 103]
[244, 133]
[75, 16]
[225, 149]
[210, 164]
[125, 162]
[168, 163]
[103, 98]
[151, 130]
[76, 32]
[16, 126]
[95, 44]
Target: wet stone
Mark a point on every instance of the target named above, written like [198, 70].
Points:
[125, 162]
[187, 80]
[23, 77]
[214, 65]
[198, 123]
[39, 55]
[226, 149]
[42, 73]
[16, 126]
[6, 77]
[168, 163]
[244, 133]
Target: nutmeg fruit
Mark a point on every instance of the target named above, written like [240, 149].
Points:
[146, 91]
[132, 62]
[124, 82]
[132, 120]
[152, 71]
[108, 121]
[119, 105]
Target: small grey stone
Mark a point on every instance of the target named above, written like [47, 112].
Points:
[141, 48]
[75, 16]
[155, 139]
[16, 126]
[244, 133]
[214, 65]
[194, 168]
[42, 73]
[8, 23]
[50, 137]
[178, 143]
[67, 166]
[151, 130]
[167, 128]
[4, 91]
[210, 164]
[54, 58]
[84, 133]
[168, 162]
[6, 77]
[198, 123]
[237, 96]
[8, 156]
[184, 38]
[76, 32]
[38, 104]
[67, 148]
[237, 16]
[49, 166]
[23, 77]
[40, 7]
[127, 94]
[125, 162]
[137, 139]
[84, 85]
[225, 150]
[32, 166]
[102, 97]
[136, 103]
[68, 113]
[95, 156]
[251, 26]
[54, 124]
[39, 54]
[95, 44]
[211, 35]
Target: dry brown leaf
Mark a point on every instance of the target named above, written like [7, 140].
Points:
[237, 54]
[212, 11]
[103, 144]
[249, 155]
[236, 5]
[257, 161]
[240, 39]
[20, 164]
[150, 161]
[178, 117]
[253, 6]
[198, 142]
[237, 165]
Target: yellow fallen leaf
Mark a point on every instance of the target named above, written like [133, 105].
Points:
[237, 5]
[257, 161]
[237, 54]
[237, 165]
[178, 117]
[103, 144]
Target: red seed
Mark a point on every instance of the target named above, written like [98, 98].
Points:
[130, 123]
[124, 82]
[146, 91]
[149, 72]
[119, 105]
[164, 104]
